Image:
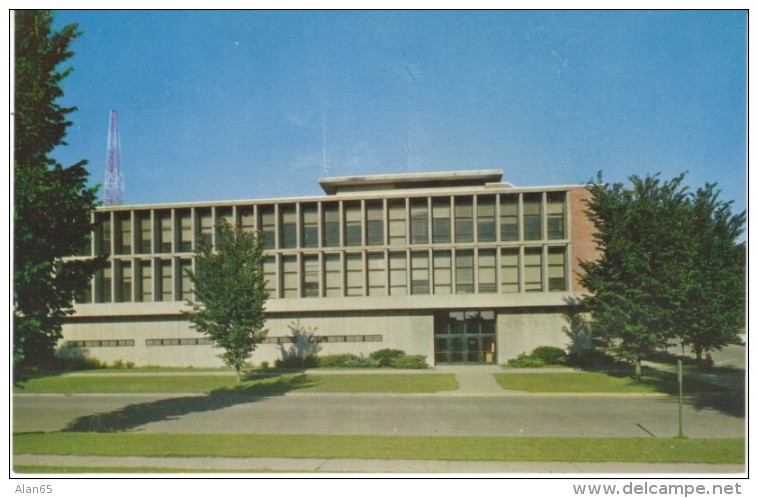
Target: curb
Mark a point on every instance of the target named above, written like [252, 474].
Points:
[374, 466]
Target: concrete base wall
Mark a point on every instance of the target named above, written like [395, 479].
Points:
[522, 332]
[413, 332]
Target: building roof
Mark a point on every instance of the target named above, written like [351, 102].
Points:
[397, 181]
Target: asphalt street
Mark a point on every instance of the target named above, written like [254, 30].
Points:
[439, 414]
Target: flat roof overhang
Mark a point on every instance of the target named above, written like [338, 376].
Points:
[353, 184]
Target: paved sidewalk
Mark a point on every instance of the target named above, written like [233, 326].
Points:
[300, 465]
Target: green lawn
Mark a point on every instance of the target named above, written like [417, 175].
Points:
[263, 384]
[598, 382]
[526, 449]
[51, 469]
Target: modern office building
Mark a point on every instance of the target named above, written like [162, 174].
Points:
[457, 266]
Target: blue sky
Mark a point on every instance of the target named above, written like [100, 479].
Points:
[221, 105]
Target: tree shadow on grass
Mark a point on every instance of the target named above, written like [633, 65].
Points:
[133, 416]
[724, 392]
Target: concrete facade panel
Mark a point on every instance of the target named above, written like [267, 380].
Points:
[522, 332]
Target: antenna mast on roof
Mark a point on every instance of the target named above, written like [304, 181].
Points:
[114, 181]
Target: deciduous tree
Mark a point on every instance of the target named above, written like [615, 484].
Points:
[669, 268]
[230, 293]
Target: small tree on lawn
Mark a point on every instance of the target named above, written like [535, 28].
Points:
[230, 293]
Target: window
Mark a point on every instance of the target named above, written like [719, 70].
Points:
[532, 216]
[269, 274]
[185, 230]
[353, 229]
[124, 233]
[310, 276]
[331, 225]
[485, 219]
[374, 223]
[124, 282]
[556, 215]
[186, 284]
[464, 272]
[288, 227]
[420, 272]
[268, 226]
[205, 226]
[398, 274]
[104, 293]
[509, 281]
[289, 276]
[441, 221]
[103, 235]
[533, 269]
[354, 274]
[310, 225]
[419, 222]
[226, 214]
[143, 232]
[443, 279]
[509, 218]
[165, 291]
[145, 280]
[376, 274]
[487, 265]
[556, 269]
[396, 211]
[464, 222]
[332, 275]
[163, 232]
[246, 216]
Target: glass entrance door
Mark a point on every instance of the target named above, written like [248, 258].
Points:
[462, 337]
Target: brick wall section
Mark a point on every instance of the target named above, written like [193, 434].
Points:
[582, 247]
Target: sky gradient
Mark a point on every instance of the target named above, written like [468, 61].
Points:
[224, 105]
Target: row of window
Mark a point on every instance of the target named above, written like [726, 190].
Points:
[325, 338]
[101, 344]
[140, 280]
[380, 222]
[363, 273]
[438, 272]
[209, 342]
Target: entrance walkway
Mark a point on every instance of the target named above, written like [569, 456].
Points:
[474, 379]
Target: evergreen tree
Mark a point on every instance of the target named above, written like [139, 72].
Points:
[52, 203]
[661, 249]
[230, 293]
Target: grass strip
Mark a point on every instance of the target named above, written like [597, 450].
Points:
[526, 449]
[600, 382]
[262, 384]
[53, 469]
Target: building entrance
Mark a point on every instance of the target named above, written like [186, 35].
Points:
[465, 337]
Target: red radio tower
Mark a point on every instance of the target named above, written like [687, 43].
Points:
[114, 181]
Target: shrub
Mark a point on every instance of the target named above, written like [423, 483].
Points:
[334, 360]
[385, 357]
[525, 361]
[550, 355]
[360, 362]
[414, 361]
[73, 358]
[118, 364]
[591, 358]
[264, 365]
[309, 361]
